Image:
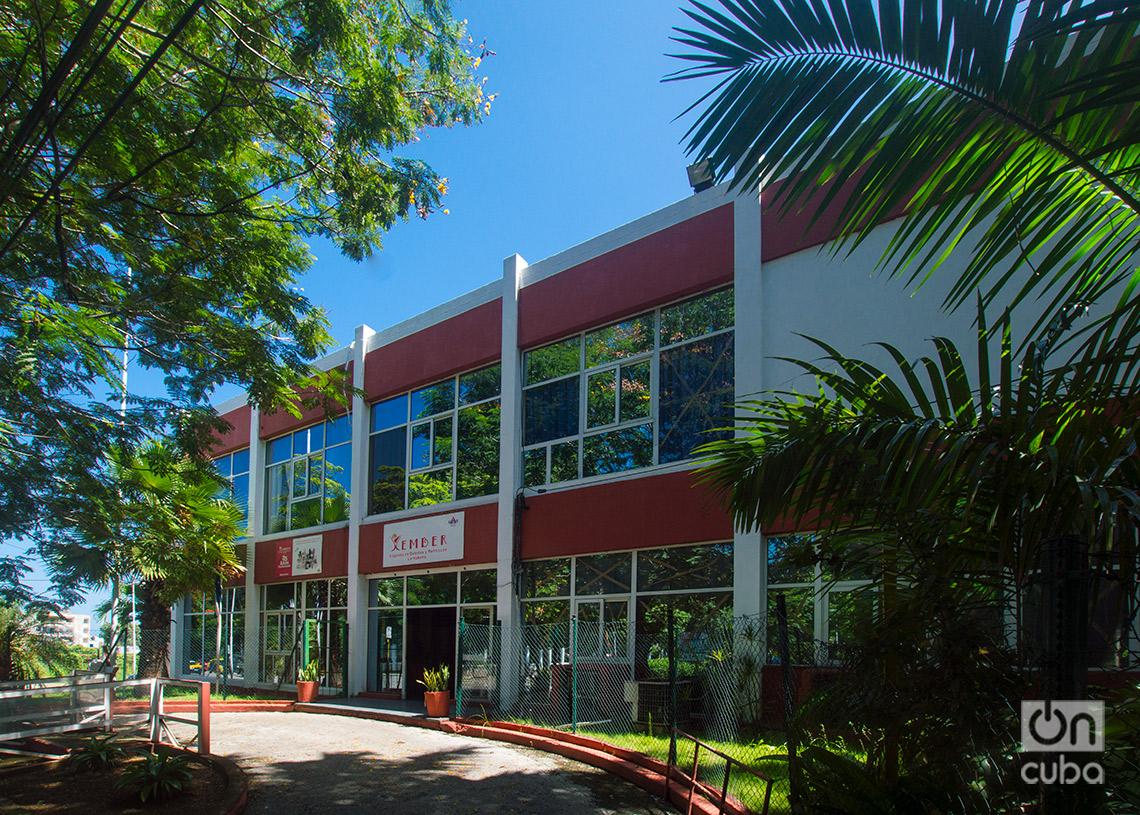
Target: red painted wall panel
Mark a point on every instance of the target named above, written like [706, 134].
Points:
[795, 231]
[465, 341]
[657, 510]
[279, 423]
[686, 258]
[480, 532]
[238, 436]
[334, 558]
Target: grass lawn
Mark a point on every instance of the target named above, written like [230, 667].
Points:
[763, 756]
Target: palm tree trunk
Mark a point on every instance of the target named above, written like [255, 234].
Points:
[154, 624]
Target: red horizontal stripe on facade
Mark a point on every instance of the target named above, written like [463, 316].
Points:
[281, 422]
[237, 437]
[640, 513]
[686, 258]
[465, 341]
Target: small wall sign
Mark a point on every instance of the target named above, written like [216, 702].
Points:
[424, 540]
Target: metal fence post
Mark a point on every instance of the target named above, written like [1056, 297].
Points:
[344, 658]
[204, 718]
[155, 711]
[789, 702]
[459, 671]
[672, 634]
[304, 645]
[574, 673]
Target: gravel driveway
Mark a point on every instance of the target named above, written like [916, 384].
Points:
[306, 764]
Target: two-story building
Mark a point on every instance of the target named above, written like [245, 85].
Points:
[524, 453]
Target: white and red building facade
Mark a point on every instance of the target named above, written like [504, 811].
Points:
[524, 453]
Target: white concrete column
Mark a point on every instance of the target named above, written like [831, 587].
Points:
[357, 509]
[749, 578]
[510, 475]
[252, 650]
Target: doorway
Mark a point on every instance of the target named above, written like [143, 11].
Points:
[431, 643]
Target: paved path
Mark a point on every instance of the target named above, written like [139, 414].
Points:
[307, 764]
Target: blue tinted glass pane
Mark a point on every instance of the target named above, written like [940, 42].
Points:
[479, 385]
[240, 462]
[421, 445]
[389, 413]
[241, 494]
[224, 465]
[550, 411]
[300, 477]
[557, 359]
[389, 452]
[277, 497]
[338, 431]
[301, 443]
[280, 449]
[433, 399]
[625, 449]
[695, 396]
[338, 482]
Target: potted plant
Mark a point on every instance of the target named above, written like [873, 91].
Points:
[437, 698]
[308, 680]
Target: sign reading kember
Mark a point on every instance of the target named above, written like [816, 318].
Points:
[424, 540]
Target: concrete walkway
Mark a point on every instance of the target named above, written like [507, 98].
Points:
[306, 764]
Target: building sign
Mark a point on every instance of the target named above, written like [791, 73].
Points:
[299, 558]
[424, 540]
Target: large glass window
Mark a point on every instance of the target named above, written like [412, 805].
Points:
[436, 444]
[208, 649]
[289, 612]
[644, 391]
[823, 606]
[235, 469]
[308, 476]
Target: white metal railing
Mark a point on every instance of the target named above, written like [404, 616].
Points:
[63, 704]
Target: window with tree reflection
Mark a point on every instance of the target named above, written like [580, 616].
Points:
[643, 391]
[308, 476]
[436, 444]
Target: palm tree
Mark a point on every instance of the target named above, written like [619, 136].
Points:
[25, 652]
[1006, 131]
[167, 529]
[948, 485]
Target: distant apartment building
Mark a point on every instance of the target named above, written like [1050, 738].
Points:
[72, 628]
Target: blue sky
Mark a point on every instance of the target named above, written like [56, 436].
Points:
[581, 139]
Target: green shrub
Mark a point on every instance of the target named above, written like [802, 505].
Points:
[159, 776]
[99, 753]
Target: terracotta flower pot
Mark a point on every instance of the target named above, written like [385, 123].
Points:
[438, 703]
[307, 691]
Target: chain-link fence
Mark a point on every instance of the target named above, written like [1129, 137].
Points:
[922, 726]
[596, 679]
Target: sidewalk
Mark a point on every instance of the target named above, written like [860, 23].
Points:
[306, 764]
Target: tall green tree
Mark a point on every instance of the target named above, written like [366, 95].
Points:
[162, 166]
[167, 530]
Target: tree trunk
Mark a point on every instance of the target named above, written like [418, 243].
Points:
[154, 630]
